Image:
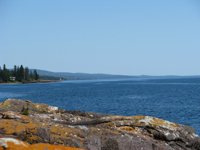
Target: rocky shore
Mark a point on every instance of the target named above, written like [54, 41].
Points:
[27, 125]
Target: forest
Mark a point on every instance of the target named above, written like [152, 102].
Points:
[18, 74]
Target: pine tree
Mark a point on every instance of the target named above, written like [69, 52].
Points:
[36, 76]
[1, 74]
[15, 71]
[26, 74]
[5, 74]
[21, 73]
[18, 74]
[31, 75]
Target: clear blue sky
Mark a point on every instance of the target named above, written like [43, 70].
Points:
[129, 37]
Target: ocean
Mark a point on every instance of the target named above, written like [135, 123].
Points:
[175, 100]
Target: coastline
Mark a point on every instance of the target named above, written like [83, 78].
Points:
[9, 83]
[27, 82]
[40, 81]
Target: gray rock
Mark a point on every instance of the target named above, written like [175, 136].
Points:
[44, 134]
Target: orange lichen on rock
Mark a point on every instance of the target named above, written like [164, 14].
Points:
[11, 127]
[14, 144]
[138, 117]
[156, 122]
[164, 123]
[40, 106]
[5, 103]
[14, 115]
[45, 108]
[52, 125]
[126, 128]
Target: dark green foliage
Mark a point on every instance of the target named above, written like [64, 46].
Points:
[17, 75]
[5, 74]
[25, 111]
[31, 74]
[35, 75]
[29, 142]
[26, 74]
[1, 72]
[15, 71]
[20, 73]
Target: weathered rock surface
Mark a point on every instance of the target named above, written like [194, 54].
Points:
[14, 144]
[93, 131]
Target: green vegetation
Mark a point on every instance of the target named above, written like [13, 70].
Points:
[25, 111]
[18, 74]
[29, 142]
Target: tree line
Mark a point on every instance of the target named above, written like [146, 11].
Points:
[20, 73]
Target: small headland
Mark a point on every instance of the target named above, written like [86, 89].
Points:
[29, 125]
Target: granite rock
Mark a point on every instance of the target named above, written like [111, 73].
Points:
[92, 131]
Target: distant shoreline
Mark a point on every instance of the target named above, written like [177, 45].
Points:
[9, 83]
[27, 82]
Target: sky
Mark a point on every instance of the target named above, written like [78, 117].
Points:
[129, 37]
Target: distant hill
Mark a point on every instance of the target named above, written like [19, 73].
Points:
[80, 76]
[87, 76]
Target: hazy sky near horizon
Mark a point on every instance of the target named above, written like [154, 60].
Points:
[138, 37]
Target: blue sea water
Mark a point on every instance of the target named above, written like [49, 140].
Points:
[176, 100]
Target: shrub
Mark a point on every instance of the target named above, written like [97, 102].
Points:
[25, 111]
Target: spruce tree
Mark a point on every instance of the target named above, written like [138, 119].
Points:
[18, 74]
[26, 73]
[31, 75]
[36, 76]
[5, 74]
[21, 73]
[1, 75]
[15, 71]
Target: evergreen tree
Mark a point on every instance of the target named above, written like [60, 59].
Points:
[5, 74]
[18, 74]
[4, 67]
[1, 74]
[21, 73]
[36, 76]
[31, 75]
[26, 74]
[15, 71]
